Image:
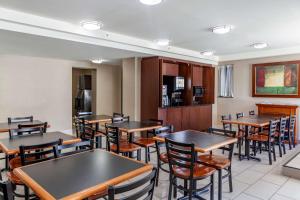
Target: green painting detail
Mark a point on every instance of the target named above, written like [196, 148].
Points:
[277, 80]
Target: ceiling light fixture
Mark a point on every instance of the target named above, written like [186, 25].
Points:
[97, 61]
[259, 45]
[222, 29]
[207, 53]
[91, 25]
[163, 42]
[150, 2]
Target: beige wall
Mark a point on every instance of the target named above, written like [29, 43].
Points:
[131, 77]
[243, 100]
[37, 86]
[108, 89]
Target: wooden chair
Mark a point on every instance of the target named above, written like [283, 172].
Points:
[6, 191]
[29, 155]
[290, 131]
[120, 119]
[148, 141]
[220, 163]
[15, 133]
[162, 157]
[115, 144]
[43, 125]
[227, 126]
[142, 188]
[19, 119]
[183, 165]
[279, 135]
[267, 139]
[74, 148]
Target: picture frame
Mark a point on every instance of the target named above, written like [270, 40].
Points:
[278, 79]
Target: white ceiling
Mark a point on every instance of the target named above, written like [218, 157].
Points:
[185, 22]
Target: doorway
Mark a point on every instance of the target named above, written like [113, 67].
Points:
[84, 90]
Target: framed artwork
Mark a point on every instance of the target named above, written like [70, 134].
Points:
[279, 79]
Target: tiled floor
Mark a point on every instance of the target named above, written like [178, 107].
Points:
[252, 180]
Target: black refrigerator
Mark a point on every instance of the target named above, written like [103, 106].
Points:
[83, 99]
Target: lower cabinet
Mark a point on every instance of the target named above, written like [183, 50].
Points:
[187, 117]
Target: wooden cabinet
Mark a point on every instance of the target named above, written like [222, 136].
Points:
[197, 73]
[280, 109]
[187, 117]
[170, 69]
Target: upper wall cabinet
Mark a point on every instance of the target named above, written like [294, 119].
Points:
[197, 76]
[170, 69]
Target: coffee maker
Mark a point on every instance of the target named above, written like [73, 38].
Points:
[165, 98]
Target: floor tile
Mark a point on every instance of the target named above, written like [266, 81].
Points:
[262, 189]
[290, 189]
[249, 176]
[280, 197]
[246, 197]
[277, 179]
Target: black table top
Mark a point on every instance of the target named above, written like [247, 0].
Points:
[11, 146]
[254, 120]
[80, 175]
[135, 126]
[204, 142]
[5, 126]
[96, 118]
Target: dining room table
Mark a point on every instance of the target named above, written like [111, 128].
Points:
[80, 175]
[257, 121]
[11, 146]
[5, 126]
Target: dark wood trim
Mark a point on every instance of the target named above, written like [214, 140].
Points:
[275, 63]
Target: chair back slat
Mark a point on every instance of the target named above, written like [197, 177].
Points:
[226, 126]
[137, 189]
[19, 119]
[181, 155]
[44, 125]
[116, 114]
[282, 126]
[120, 119]
[15, 133]
[88, 133]
[112, 137]
[292, 121]
[37, 153]
[74, 148]
[272, 128]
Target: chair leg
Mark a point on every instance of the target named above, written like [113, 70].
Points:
[138, 154]
[240, 149]
[269, 151]
[220, 184]
[170, 188]
[26, 191]
[185, 187]
[293, 140]
[157, 174]
[254, 148]
[260, 147]
[290, 140]
[175, 189]
[279, 146]
[191, 189]
[283, 146]
[149, 159]
[146, 154]
[230, 179]
[274, 152]
[212, 192]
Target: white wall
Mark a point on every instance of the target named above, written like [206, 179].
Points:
[243, 100]
[37, 86]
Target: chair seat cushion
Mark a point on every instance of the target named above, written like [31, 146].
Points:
[216, 161]
[200, 172]
[164, 157]
[125, 147]
[145, 142]
[258, 137]
[14, 179]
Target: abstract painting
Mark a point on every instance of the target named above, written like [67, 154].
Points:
[276, 79]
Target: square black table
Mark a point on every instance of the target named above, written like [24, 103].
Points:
[5, 126]
[80, 175]
[204, 142]
[11, 146]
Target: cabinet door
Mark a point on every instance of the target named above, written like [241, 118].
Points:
[197, 76]
[200, 117]
[174, 117]
[162, 115]
[186, 118]
[170, 69]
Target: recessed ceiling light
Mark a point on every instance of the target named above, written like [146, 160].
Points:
[150, 2]
[207, 53]
[163, 42]
[259, 45]
[97, 61]
[222, 29]
[91, 25]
